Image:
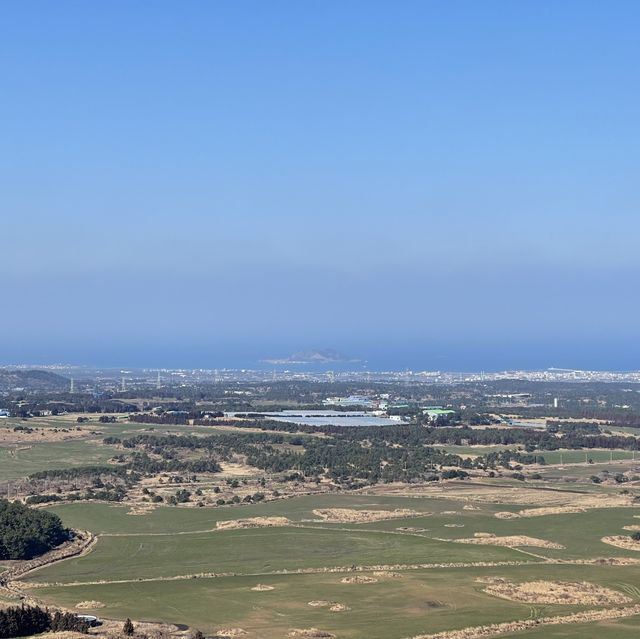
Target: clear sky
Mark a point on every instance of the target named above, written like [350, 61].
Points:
[435, 185]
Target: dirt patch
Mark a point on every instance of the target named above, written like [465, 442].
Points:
[412, 529]
[554, 592]
[622, 541]
[386, 573]
[338, 607]
[632, 528]
[359, 579]
[470, 507]
[262, 588]
[319, 603]
[89, 605]
[252, 522]
[454, 525]
[309, 632]
[353, 516]
[510, 541]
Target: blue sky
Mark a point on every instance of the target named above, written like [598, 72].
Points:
[445, 185]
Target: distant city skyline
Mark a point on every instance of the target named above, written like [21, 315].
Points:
[445, 185]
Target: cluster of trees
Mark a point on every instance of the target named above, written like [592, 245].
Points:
[21, 621]
[345, 457]
[26, 533]
[584, 428]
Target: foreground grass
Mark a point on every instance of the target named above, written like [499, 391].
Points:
[415, 602]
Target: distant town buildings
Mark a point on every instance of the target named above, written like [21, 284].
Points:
[433, 412]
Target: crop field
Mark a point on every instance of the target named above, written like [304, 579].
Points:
[396, 577]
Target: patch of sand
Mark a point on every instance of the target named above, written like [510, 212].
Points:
[353, 516]
[454, 525]
[506, 515]
[89, 605]
[554, 592]
[470, 507]
[262, 588]
[318, 603]
[338, 607]
[509, 541]
[360, 579]
[632, 528]
[622, 541]
[252, 522]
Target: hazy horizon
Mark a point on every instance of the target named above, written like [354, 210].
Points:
[419, 185]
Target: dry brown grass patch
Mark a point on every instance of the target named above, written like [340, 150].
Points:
[509, 541]
[231, 632]
[252, 522]
[89, 605]
[622, 541]
[359, 579]
[553, 592]
[353, 516]
[506, 515]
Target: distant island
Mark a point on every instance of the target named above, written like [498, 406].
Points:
[318, 356]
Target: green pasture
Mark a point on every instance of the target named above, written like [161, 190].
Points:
[25, 459]
[255, 551]
[415, 602]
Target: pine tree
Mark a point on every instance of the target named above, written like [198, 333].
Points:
[128, 628]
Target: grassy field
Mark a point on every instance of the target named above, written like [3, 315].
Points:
[415, 602]
[147, 565]
[20, 461]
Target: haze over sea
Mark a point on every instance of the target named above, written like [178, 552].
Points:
[424, 185]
